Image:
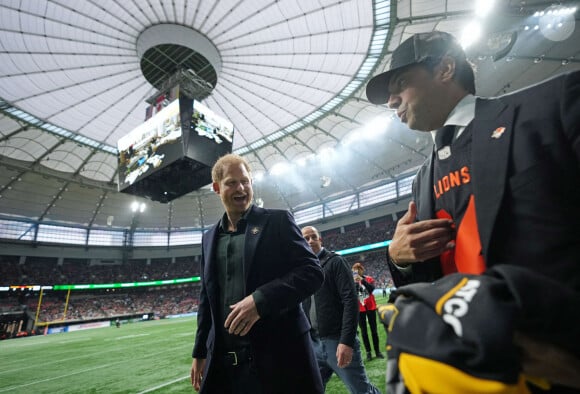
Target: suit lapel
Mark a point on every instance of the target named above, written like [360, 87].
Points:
[492, 137]
[209, 269]
[425, 206]
[254, 231]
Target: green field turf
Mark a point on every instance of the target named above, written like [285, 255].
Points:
[145, 357]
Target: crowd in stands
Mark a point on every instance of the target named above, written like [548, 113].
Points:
[160, 300]
[82, 306]
[48, 271]
[359, 234]
[51, 271]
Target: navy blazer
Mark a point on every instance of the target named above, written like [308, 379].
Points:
[279, 263]
[526, 182]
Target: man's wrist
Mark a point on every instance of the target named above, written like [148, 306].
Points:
[400, 266]
[392, 260]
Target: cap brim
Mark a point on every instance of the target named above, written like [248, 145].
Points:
[377, 91]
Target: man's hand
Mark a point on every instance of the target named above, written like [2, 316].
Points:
[197, 368]
[343, 355]
[419, 241]
[242, 317]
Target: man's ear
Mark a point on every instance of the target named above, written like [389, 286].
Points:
[216, 187]
[446, 68]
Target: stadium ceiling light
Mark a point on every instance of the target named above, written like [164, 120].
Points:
[471, 34]
[483, 7]
[557, 23]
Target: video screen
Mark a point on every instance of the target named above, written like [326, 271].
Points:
[209, 125]
[150, 146]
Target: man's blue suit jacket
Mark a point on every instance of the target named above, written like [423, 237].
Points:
[279, 263]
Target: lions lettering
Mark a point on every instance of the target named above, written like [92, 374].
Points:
[453, 179]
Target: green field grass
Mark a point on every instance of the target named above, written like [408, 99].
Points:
[145, 357]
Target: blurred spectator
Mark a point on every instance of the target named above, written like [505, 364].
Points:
[367, 308]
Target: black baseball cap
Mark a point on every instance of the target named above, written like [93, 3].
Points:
[414, 50]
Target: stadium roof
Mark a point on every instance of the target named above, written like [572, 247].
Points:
[290, 75]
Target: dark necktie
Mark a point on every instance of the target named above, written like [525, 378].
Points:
[444, 136]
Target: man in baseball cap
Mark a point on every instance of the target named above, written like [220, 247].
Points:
[491, 193]
[420, 48]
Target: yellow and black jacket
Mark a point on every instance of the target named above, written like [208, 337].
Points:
[456, 335]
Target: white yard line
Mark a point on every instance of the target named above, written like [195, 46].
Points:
[56, 377]
[82, 371]
[127, 337]
[164, 385]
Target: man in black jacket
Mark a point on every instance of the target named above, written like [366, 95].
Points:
[501, 187]
[333, 312]
[252, 334]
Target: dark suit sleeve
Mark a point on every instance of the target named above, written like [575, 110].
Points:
[426, 271]
[347, 292]
[203, 318]
[302, 274]
[570, 111]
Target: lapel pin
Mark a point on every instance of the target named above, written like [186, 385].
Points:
[497, 133]
[255, 230]
[444, 153]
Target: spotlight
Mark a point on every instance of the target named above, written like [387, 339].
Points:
[557, 23]
[501, 44]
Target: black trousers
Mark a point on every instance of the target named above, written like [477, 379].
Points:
[371, 316]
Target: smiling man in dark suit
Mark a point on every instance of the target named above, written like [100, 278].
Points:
[500, 189]
[252, 334]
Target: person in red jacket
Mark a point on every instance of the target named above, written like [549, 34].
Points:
[367, 308]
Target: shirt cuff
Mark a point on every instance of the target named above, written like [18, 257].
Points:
[406, 270]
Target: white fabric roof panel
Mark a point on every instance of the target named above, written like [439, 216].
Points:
[27, 145]
[8, 126]
[68, 157]
[101, 167]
